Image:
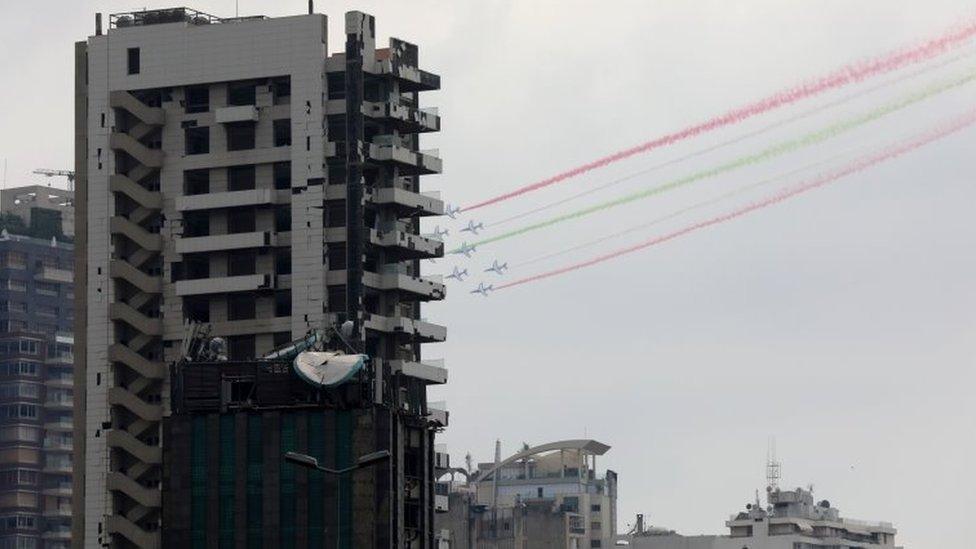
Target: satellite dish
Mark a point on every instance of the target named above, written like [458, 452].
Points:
[327, 369]
[346, 329]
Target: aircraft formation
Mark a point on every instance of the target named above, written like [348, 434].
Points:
[467, 250]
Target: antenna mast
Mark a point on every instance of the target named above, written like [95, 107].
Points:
[773, 466]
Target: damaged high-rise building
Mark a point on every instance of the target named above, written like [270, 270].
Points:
[232, 173]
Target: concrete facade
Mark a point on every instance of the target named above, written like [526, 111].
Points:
[229, 172]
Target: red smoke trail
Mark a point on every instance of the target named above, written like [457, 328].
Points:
[843, 76]
[819, 181]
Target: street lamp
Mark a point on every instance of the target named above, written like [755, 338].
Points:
[306, 460]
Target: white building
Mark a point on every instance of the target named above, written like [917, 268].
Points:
[792, 520]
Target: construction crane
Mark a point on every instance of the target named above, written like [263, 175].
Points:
[67, 174]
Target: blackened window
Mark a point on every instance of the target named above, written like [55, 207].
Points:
[197, 140]
[282, 175]
[242, 262]
[240, 136]
[337, 298]
[241, 220]
[282, 132]
[281, 338]
[281, 90]
[283, 303]
[132, 60]
[240, 347]
[337, 85]
[241, 306]
[196, 224]
[196, 182]
[241, 93]
[196, 266]
[337, 256]
[282, 261]
[335, 213]
[196, 308]
[282, 213]
[197, 99]
[240, 178]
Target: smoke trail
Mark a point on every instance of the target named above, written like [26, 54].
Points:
[806, 114]
[843, 76]
[685, 210]
[767, 154]
[859, 165]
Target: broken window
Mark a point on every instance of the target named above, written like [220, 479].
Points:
[281, 90]
[132, 60]
[240, 347]
[196, 223]
[282, 217]
[240, 136]
[283, 303]
[241, 220]
[240, 178]
[196, 99]
[283, 261]
[241, 307]
[242, 262]
[197, 140]
[196, 266]
[196, 308]
[196, 182]
[241, 93]
[282, 175]
[282, 132]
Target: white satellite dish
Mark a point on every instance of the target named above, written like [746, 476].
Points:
[327, 369]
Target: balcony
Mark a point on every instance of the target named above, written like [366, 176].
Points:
[437, 414]
[52, 274]
[431, 372]
[225, 284]
[229, 199]
[61, 426]
[55, 512]
[408, 287]
[242, 113]
[59, 403]
[236, 241]
[386, 151]
[407, 203]
[406, 245]
[60, 491]
[57, 466]
[411, 78]
[405, 117]
[423, 331]
[60, 382]
[60, 534]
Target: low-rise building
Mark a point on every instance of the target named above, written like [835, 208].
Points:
[542, 497]
[791, 520]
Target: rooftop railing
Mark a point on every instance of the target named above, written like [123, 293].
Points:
[171, 15]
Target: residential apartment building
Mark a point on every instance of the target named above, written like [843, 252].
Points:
[36, 397]
[792, 519]
[233, 172]
[544, 497]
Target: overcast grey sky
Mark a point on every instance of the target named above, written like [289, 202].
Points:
[841, 322]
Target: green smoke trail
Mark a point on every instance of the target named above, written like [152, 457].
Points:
[807, 140]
